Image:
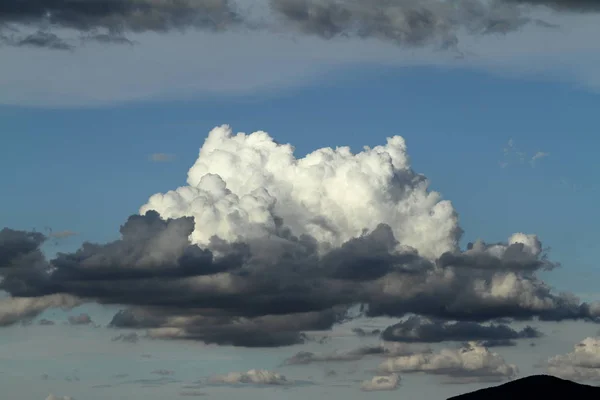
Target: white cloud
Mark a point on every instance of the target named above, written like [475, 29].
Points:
[473, 360]
[583, 363]
[240, 182]
[384, 382]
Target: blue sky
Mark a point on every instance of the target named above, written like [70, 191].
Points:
[79, 130]
[86, 170]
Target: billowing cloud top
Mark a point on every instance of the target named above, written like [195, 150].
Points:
[472, 360]
[581, 364]
[242, 186]
[261, 247]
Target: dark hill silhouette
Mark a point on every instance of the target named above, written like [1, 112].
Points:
[534, 387]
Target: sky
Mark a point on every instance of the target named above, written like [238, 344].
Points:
[189, 208]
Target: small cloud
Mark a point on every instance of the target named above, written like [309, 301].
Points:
[192, 394]
[537, 156]
[163, 372]
[254, 376]
[62, 234]
[81, 319]
[161, 157]
[377, 383]
[127, 337]
[513, 156]
[41, 39]
[53, 397]
[45, 321]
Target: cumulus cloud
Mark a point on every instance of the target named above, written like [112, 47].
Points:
[583, 363]
[253, 376]
[471, 361]
[418, 329]
[261, 246]
[384, 382]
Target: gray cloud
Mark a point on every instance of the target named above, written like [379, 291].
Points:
[233, 272]
[582, 364]
[472, 362]
[45, 321]
[120, 15]
[81, 319]
[306, 357]
[163, 372]
[379, 383]
[564, 5]
[40, 39]
[178, 290]
[417, 329]
[131, 337]
[107, 21]
[404, 22]
[253, 376]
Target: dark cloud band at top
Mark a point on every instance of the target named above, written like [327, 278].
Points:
[407, 23]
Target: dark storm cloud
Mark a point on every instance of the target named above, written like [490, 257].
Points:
[269, 291]
[307, 357]
[514, 258]
[120, 15]
[43, 39]
[412, 23]
[15, 244]
[564, 5]
[107, 21]
[418, 329]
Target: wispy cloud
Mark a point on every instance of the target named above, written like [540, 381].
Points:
[537, 156]
[62, 234]
[512, 155]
